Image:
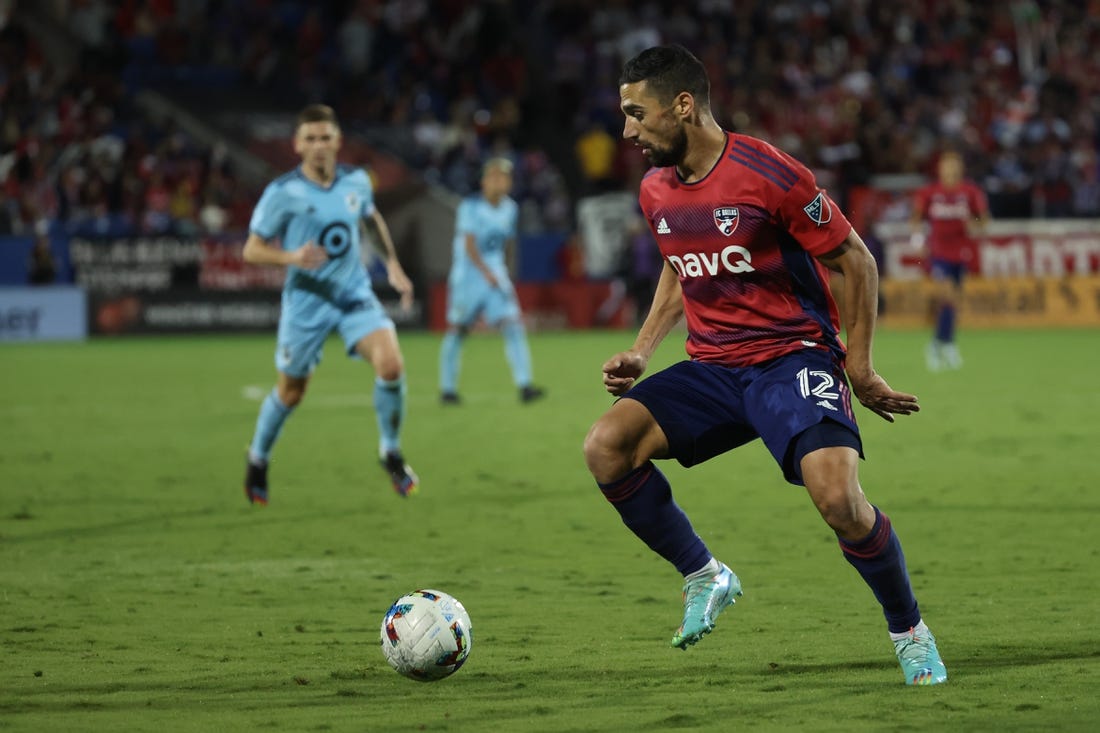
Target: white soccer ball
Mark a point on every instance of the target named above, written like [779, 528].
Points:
[426, 635]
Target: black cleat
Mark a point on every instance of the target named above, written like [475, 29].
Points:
[255, 484]
[450, 398]
[404, 481]
[530, 393]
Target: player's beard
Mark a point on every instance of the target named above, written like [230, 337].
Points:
[673, 153]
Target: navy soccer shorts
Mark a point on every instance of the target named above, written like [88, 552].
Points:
[946, 270]
[707, 409]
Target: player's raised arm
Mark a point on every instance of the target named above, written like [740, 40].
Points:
[621, 370]
[855, 262]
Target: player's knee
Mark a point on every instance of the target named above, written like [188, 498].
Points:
[830, 477]
[291, 394]
[845, 509]
[606, 450]
[842, 513]
[390, 367]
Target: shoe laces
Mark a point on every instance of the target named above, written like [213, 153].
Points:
[700, 588]
[914, 647]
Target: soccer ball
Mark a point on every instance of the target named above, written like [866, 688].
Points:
[426, 635]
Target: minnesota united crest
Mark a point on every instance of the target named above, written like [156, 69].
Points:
[352, 200]
[726, 219]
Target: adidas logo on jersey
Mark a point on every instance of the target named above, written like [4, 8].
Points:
[733, 258]
[662, 227]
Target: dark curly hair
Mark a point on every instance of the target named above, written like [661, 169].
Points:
[668, 70]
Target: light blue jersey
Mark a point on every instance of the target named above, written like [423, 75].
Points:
[469, 294]
[337, 295]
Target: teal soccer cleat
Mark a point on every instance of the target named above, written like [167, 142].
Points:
[704, 599]
[919, 658]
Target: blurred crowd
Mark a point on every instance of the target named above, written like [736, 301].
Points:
[854, 88]
[77, 156]
[858, 89]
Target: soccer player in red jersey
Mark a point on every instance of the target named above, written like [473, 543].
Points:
[747, 239]
[956, 210]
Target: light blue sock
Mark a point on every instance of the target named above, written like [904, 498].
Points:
[389, 406]
[273, 413]
[450, 361]
[515, 349]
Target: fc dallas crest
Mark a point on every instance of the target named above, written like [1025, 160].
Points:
[726, 218]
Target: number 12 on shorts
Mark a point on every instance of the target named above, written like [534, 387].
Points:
[816, 383]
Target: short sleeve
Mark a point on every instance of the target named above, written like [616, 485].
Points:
[464, 219]
[367, 209]
[811, 216]
[270, 217]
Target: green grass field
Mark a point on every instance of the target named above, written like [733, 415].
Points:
[139, 591]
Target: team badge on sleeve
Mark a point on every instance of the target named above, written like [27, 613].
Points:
[352, 201]
[819, 210]
[726, 219]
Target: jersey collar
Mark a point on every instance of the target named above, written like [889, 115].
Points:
[713, 168]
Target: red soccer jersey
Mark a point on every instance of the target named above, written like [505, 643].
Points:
[743, 241]
[947, 211]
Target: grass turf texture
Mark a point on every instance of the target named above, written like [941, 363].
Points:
[138, 590]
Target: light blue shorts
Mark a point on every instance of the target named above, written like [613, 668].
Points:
[307, 320]
[471, 297]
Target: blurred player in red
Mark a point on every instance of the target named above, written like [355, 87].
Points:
[956, 211]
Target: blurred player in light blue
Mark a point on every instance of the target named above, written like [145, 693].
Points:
[479, 286]
[309, 220]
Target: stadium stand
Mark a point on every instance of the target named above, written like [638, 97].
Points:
[855, 88]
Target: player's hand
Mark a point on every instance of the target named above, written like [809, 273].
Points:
[309, 256]
[491, 279]
[400, 282]
[621, 371]
[876, 395]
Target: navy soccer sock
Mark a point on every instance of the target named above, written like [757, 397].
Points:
[643, 499]
[879, 559]
[945, 324]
